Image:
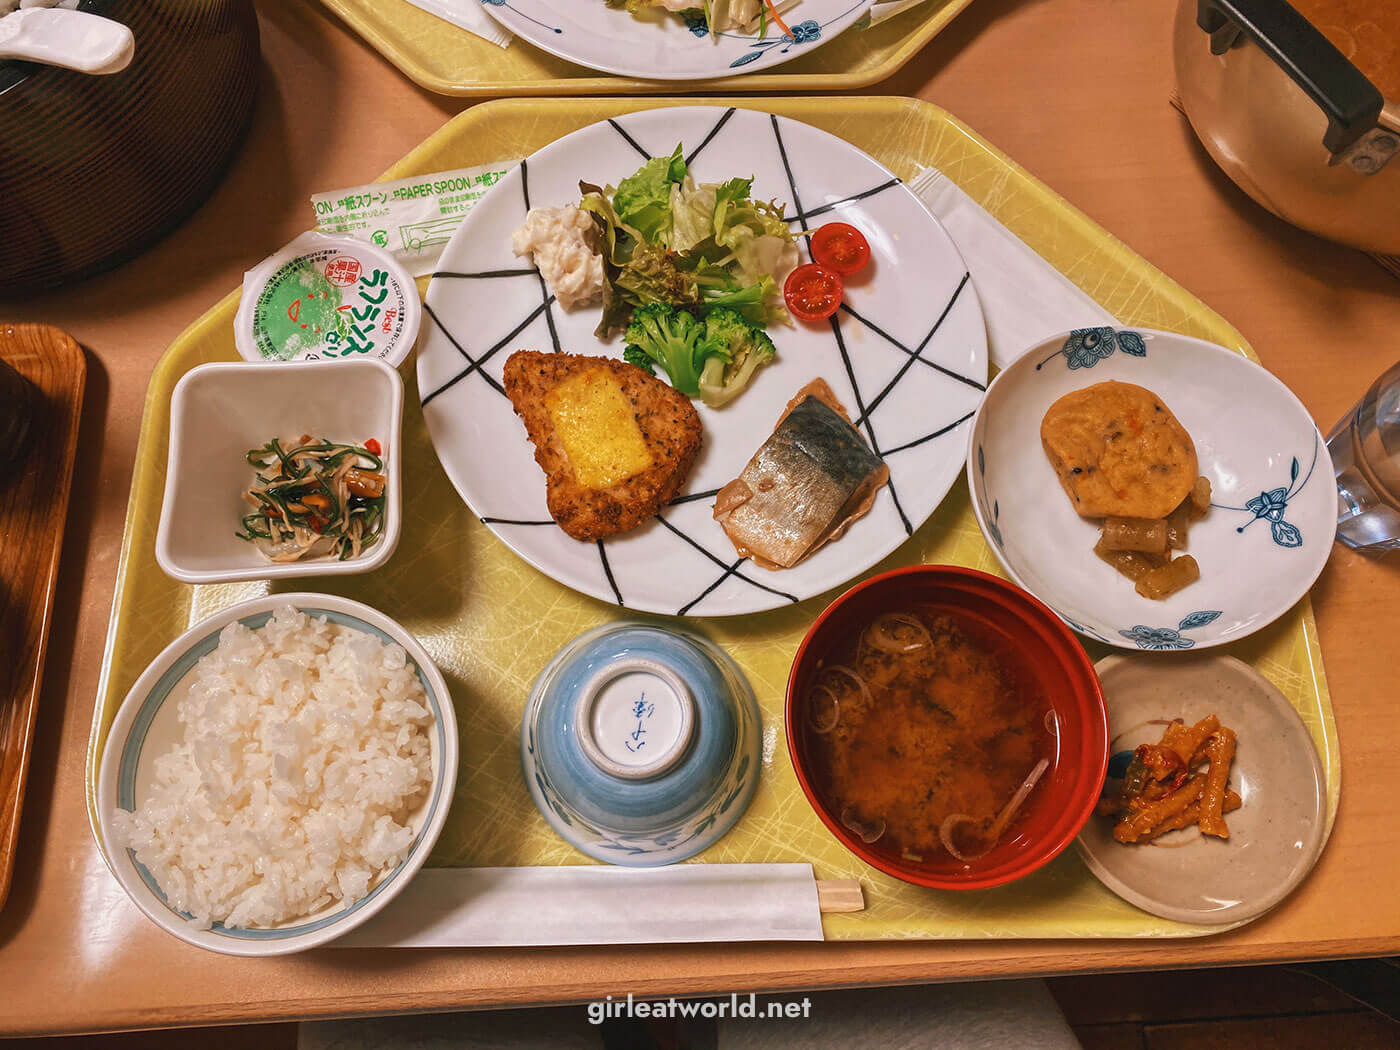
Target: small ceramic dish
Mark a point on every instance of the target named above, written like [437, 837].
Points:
[1276, 835]
[219, 411]
[1273, 513]
[640, 744]
[1076, 745]
[147, 726]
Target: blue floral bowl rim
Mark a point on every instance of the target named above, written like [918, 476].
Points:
[1324, 465]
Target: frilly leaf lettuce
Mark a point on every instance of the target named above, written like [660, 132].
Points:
[653, 277]
[617, 239]
[643, 199]
[616, 245]
[718, 221]
[665, 239]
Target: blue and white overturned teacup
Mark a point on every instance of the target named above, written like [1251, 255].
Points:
[640, 744]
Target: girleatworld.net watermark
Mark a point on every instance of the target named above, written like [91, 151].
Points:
[744, 1007]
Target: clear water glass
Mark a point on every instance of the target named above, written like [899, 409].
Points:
[1365, 448]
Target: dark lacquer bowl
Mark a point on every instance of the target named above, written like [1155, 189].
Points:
[95, 168]
[1064, 678]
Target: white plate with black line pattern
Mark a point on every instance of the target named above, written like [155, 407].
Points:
[907, 356]
[659, 45]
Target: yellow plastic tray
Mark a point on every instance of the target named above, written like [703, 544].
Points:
[491, 622]
[442, 58]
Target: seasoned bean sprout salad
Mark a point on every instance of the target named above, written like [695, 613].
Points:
[314, 497]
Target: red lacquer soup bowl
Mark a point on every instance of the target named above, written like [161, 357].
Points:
[1053, 670]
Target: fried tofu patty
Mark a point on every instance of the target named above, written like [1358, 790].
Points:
[1119, 452]
[572, 401]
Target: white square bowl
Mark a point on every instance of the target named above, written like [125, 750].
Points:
[220, 411]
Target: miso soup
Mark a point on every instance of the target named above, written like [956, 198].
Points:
[927, 734]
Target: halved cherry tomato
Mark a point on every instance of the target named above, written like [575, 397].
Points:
[812, 292]
[373, 447]
[841, 247]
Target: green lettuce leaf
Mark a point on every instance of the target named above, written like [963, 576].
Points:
[643, 200]
[692, 214]
[665, 239]
[766, 256]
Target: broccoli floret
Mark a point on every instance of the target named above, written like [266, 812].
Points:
[673, 339]
[635, 355]
[757, 303]
[748, 349]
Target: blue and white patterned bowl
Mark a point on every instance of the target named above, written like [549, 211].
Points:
[659, 46]
[1273, 514]
[640, 744]
[146, 727]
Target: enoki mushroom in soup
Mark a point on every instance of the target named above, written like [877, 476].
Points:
[927, 735]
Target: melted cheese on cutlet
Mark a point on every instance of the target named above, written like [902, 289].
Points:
[597, 429]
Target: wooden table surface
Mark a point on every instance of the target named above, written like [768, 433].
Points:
[1077, 91]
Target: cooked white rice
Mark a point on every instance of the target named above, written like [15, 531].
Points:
[304, 750]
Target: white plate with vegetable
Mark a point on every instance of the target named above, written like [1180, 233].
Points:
[671, 40]
[905, 354]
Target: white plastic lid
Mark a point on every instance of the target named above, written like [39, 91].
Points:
[328, 298]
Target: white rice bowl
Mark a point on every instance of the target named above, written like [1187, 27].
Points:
[303, 751]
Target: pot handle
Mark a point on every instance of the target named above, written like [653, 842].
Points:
[1350, 102]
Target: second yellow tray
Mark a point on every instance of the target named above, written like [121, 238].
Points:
[450, 61]
[491, 621]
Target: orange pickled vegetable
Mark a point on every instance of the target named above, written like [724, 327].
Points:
[1187, 741]
[364, 483]
[1221, 751]
[1190, 815]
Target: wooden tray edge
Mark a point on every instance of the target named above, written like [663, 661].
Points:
[62, 440]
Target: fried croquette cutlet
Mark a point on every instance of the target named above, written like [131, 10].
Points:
[615, 443]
